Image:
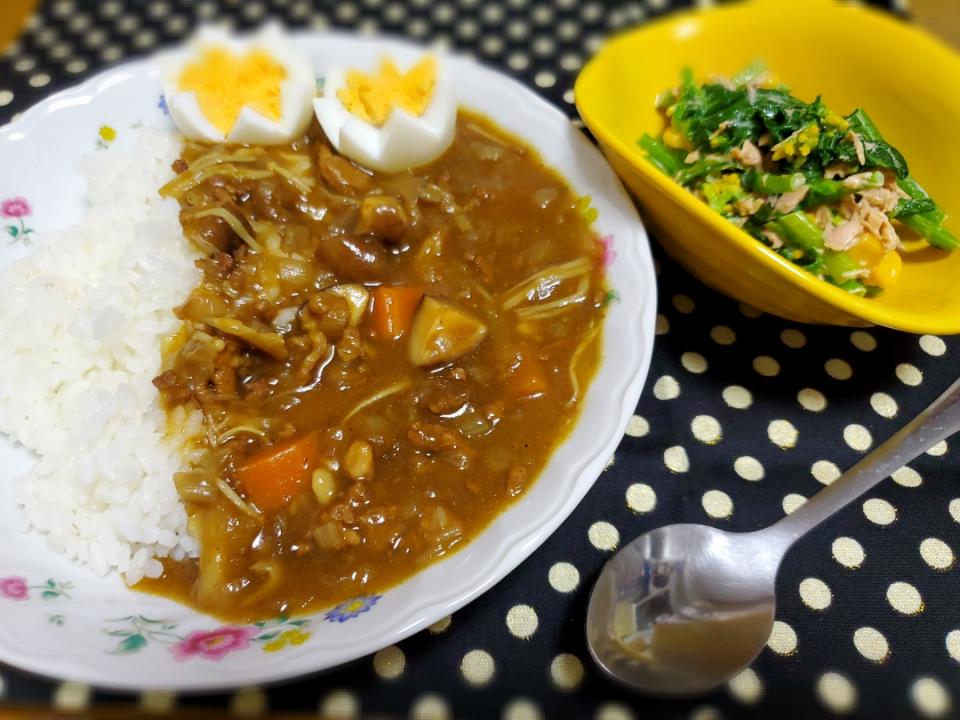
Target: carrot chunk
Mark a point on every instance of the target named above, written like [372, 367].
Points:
[276, 475]
[393, 310]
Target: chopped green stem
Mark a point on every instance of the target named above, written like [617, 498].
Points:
[772, 184]
[667, 160]
[839, 266]
[798, 230]
[934, 233]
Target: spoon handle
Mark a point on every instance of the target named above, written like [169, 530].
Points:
[936, 423]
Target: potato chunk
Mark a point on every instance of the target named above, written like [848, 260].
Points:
[442, 332]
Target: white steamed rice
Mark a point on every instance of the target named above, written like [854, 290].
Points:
[82, 320]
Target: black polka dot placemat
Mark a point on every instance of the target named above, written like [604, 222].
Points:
[744, 416]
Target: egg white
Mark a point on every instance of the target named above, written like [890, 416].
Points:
[296, 91]
[404, 141]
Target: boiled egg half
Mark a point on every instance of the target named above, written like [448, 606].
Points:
[389, 119]
[223, 88]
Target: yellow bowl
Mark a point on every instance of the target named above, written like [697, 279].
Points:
[853, 57]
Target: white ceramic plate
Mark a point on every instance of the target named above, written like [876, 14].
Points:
[58, 619]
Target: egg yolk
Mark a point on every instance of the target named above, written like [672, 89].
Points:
[225, 83]
[372, 97]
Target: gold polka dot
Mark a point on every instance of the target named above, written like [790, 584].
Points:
[706, 712]
[871, 643]
[441, 625]
[783, 639]
[563, 577]
[815, 593]
[793, 338]
[857, 437]
[71, 696]
[953, 644]
[477, 667]
[430, 707]
[694, 362]
[522, 621]
[936, 553]
[848, 552]
[783, 434]
[883, 405]
[766, 366]
[837, 693]
[905, 598]
[666, 388]
[909, 374]
[879, 511]
[930, 698]
[906, 476]
[340, 705]
[792, 501]
[603, 535]
[939, 449]
[6, 97]
[637, 426]
[522, 709]
[749, 311]
[737, 397]
[389, 663]
[954, 508]
[39, 80]
[812, 400]
[748, 468]
[838, 369]
[824, 471]
[566, 671]
[683, 304]
[248, 702]
[614, 711]
[157, 701]
[722, 335]
[717, 504]
[676, 460]
[641, 498]
[663, 325]
[932, 345]
[706, 429]
[863, 341]
[746, 687]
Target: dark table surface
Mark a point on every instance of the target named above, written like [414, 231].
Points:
[869, 619]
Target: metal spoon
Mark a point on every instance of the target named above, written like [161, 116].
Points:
[684, 608]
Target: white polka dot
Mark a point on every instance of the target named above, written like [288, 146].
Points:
[706, 429]
[848, 552]
[863, 341]
[441, 625]
[111, 53]
[812, 400]
[683, 304]
[706, 712]
[717, 504]
[694, 362]
[663, 325]
[603, 535]
[430, 707]
[545, 79]
[746, 687]
[566, 671]
[522, 709]
[676, 460]
[614, 711]
[879, 511]
[871, 643]
[857, 437]
[25, 64]
[517, 29]
[518, 61]
[389, 663]
[340, 705]
[79, 23]
[766, 366]
[176, 24]
[563, 577]
[783, 434]
[569, 98]
[542, 14]
[144, 39]
[737, 397]
[60, 51]
[883, 405]
[722, 335]
[792, 501]
[824, 471]
[249, 702]
[953, 644]
[477, 667]
[749, 311]
[783, 639]
[930, 698]
[637, 426]
[666, 388]
[71, 696]
[838, 369]
[907, 477]
[522, 621]
[932, 345]
[6, 97]
[39, 80]
[748, 468]
[837, 693]
[150, 701]
[793, 338]
[76, 66]
[954, 508]
[939, 449]
[641, 498]
[129, 22]
[905, 598]
[936, 553]
[909, 374]
[815, 593]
